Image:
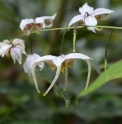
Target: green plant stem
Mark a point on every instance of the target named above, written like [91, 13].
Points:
[78, 27]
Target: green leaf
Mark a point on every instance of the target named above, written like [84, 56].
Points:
[65, 95]
[43, 75]
[67, 98]
[115, 71]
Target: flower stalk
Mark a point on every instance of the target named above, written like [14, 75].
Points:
[78, 27]
[74, 38]
[66, 77]
[105, 57]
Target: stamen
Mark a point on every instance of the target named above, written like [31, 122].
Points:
[74, 38]
[34, 77]
[86, 15]
[54, 80]
[89, 73]
[66, 77]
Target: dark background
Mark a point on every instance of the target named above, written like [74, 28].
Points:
[19, 101]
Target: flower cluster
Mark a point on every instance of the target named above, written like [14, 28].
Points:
[16, 47]
[28, 25]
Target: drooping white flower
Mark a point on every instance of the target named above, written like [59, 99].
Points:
[89, 16]
[45, 21]
[60, 62]
[15, 49]
[28, 25]
[27, 64]
[4, 46]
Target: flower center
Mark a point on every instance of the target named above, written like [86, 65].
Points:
[86, 15]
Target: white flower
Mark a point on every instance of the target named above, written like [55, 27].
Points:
[27, 65]
[89, 16]
[13, 49]
[4, 46]
[60, 62]
[28, 25]
[45, 21]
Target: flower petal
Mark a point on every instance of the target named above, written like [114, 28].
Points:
[18, 41]
[58, 61]
[89, 73]
[27, 64]
[45, 21]
[92, 29]
[34, 76]
[16, 54]
[76, 56]
[49, 20]
[54, 80]
[40, 64]
[3, 48]
[54, 16]
[40, 22]
[86, 8]
[101, 11]
[25, 22]
[76, 19]
[90, 21]
[21, 49]
[84, 57]
[47, 59]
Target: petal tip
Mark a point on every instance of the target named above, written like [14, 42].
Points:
[44, 94]
[85, 88]
[54, 16]
[38, 91]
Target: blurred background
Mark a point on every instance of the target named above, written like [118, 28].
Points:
[19, 101]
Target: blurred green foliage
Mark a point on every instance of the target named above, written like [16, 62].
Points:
[19, 101]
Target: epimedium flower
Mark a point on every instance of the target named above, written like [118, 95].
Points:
[61, 62]
[15, 49]
[27, 64]
[28, 25]
[89, 16]
[4, 46]
[45, 21]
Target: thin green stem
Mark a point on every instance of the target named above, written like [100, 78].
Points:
[74, 37]
[78, 27]
[66, 76]
[105, 67]
[62, 42]
[31, 45]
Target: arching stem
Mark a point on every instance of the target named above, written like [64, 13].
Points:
[31, 45]
[62, 42]
[106, 56]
